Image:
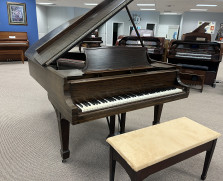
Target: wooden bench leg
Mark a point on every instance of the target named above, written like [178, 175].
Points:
[22, 56]
[207, 161]
[112, 164]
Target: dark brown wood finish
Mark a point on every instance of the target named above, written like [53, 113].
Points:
[115, 59]
[144, 173]
[155, 45]
[157, 113]
[66, 88]
[56, 43]
[64, 131]
[197, 42]
[110, 71]
[122, 122]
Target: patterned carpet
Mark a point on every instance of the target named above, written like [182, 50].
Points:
[29, 139]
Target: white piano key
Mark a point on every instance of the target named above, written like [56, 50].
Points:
[129, 98]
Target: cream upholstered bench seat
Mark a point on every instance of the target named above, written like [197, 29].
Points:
[148, 150]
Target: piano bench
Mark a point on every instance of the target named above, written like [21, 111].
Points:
[193, 77]
[13, 53]
[151, 149]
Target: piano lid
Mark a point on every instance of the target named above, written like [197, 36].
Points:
[198, 34]
[69, 34]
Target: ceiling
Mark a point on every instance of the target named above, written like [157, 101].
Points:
[176, 6]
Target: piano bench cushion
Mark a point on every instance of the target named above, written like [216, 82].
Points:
[64, 63]
[197, 67]
[148, 146]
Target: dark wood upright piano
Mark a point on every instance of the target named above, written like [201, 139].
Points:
[13, 45]
[103, 81]
[196, 51]
[155, 45]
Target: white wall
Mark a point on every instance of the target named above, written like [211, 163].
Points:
[190, 21]
[42, 20]
[122, 17]
[51, 17]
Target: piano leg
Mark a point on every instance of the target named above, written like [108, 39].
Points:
[157, 113]
[111, 125]
[122, 123]
[64, 130]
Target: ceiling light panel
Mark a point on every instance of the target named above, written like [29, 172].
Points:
[144, 9]
[207, 5]
[198, 9]
[90, 4]
[145, 4]
[46, 3]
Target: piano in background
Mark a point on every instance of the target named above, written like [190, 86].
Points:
[196, 51]
[102, 82]
[219, 38]
[13, 45]
[154, 45]
[93, 40]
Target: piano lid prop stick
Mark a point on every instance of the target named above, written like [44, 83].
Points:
[137, 32]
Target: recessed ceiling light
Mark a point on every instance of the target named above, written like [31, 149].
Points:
[170, 13]
[210, 5]
[147, 9]
[145, 4]
[198, 9]
[46, 3]
[90, 4]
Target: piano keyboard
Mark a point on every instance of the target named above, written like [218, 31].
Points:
[193, 55]
[125, 99]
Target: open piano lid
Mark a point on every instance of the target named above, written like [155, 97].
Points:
[69, 34]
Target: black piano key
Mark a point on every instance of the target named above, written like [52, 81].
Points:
[86, 104]
[102, 100]
[80, 105]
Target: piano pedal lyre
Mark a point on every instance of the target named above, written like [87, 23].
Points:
[121, 124]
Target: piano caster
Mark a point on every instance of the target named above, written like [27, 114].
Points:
[65, 155]
[203, 177]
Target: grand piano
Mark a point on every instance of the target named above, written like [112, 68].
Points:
[196, 51]
[104, 81]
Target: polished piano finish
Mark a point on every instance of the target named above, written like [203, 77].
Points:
[155, 45]
[114, 80]
[197, 50]
[13, 45]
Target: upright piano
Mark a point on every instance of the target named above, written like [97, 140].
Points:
[13, 45]
[103, 81]
[155, 45]
[93, 40]
[196, 51]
